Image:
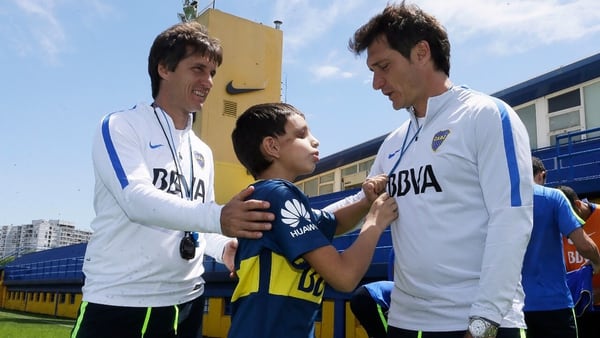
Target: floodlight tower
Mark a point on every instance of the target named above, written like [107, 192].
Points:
[190, 11]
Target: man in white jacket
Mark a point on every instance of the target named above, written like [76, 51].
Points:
[460, 170]
[154, 200]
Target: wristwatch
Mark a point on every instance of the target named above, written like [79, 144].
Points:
[480, 327]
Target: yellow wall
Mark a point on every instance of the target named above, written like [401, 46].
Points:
[215, 323]
[252, 54]
[16, 302]
[230, 178]
[34, 302]
[39, 305]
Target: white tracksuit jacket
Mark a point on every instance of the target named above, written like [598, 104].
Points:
[132, 258]
[464, 189]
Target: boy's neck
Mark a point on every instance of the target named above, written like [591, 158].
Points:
[273, 174]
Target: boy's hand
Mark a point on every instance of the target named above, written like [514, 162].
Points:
[229, 256]
[374, 186]
[595, 267]
[384, 211]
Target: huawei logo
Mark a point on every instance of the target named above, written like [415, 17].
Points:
[232, 90]
[293, 213]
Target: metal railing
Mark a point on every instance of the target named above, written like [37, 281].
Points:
[58, 269]
[574, 154]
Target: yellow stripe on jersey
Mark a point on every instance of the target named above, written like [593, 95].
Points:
[248, 278]
[285, 279]
[289, 281]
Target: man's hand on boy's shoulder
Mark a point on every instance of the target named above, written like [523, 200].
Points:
[245, 218]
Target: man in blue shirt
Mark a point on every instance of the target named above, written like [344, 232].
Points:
[548, 302]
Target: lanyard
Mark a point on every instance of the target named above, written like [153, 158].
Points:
[188, 235]
[405, 146]
[188, 187]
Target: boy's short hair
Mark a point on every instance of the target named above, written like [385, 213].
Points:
[256, 123]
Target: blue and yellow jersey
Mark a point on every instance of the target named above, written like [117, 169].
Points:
[279, 293]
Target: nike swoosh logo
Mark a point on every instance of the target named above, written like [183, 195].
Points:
[230, 89]
[393, 154]
[154, 146]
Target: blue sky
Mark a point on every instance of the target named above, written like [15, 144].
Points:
[66, 63]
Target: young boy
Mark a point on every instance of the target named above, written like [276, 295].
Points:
[282, 275]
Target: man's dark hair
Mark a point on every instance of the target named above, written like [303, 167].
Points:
[178, 42]
[570, 193]
[538, 165]
[256, 123]
[404, 26]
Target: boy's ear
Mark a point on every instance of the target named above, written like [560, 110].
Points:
[270, 147]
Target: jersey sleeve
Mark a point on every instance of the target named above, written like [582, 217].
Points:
[326, 222]
[568, 220]
[296, 229]
[506, 179]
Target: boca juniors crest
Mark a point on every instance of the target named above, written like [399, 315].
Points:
[439, 138]
[200, 159]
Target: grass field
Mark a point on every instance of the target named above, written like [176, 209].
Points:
[25, 325]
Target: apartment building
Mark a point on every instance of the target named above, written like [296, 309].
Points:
[39, 235]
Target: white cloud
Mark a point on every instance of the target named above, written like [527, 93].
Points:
[514, 26]
[47, 36]
[330, 72]
[333, 67]
[306, 21]
[313, 29]
[314, 25]
[38, 28]
[506, 25]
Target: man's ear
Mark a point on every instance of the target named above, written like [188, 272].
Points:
[578, 206]
[270, 146]
[421, 51]
[163, 71]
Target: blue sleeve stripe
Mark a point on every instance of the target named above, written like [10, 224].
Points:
[112, 153]
[511, 156]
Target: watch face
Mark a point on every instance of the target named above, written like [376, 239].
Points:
[477, 328]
